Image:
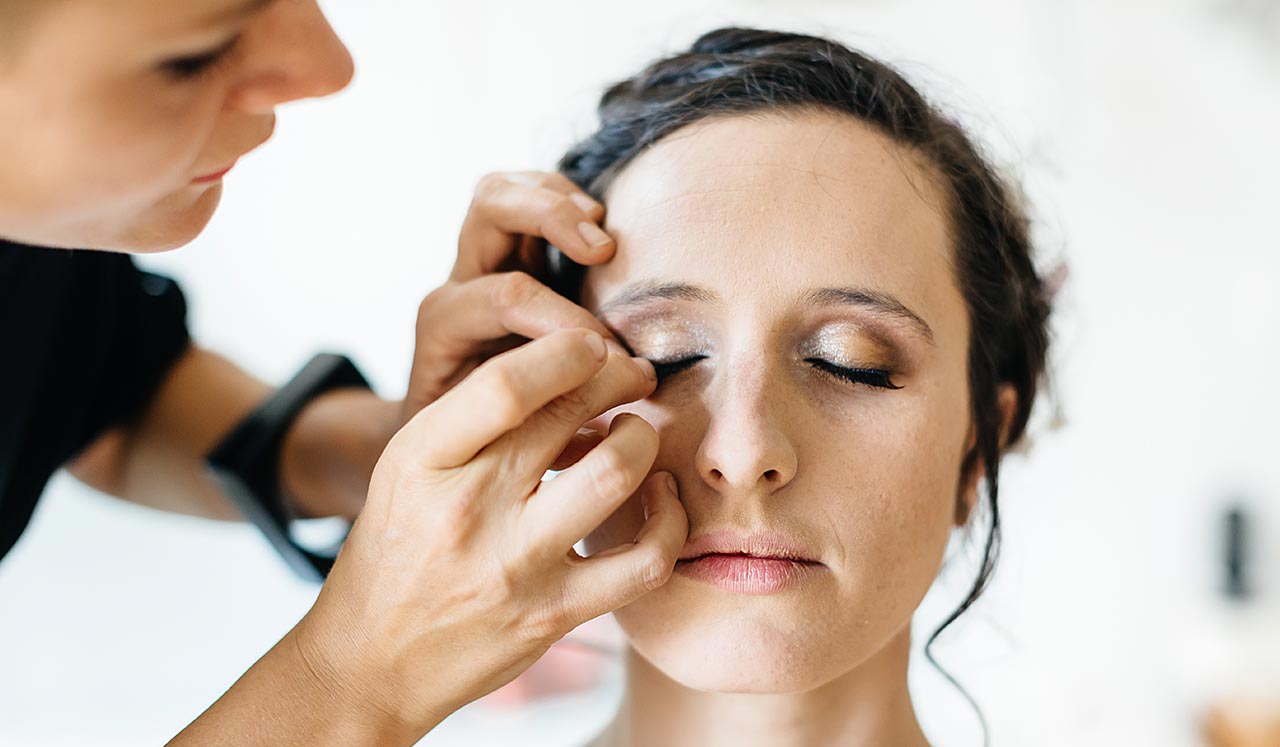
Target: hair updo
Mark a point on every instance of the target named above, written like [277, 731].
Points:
[741, 71]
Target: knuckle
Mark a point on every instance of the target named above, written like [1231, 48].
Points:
[457, 517]
[508, 581]
[568, 409]
[556, 179]
[489, 184]
[514, 289]
[547, 618]
[544, 179]
[543, 625]
[502, 393]
[653, 570]
[609, 474]
[454, 525]
[564, 208]
[427, 306]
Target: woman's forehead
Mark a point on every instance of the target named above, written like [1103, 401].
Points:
[794, 200]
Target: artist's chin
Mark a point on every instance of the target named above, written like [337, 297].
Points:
[173, 222]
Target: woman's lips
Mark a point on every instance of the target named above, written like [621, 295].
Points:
[747, 574]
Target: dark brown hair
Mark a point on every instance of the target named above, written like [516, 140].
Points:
[741, 71]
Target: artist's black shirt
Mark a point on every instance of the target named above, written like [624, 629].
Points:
[85, 340]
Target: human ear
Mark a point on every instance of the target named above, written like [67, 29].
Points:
[972, 469]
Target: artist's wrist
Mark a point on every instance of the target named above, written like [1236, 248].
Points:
[330, 450]
[344, 702]
[340, 664]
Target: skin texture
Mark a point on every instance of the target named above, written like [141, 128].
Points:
[101, 146]
[760, 211]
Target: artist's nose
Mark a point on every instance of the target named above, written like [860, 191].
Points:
[290, 52]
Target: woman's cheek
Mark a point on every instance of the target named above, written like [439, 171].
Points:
[881, 474]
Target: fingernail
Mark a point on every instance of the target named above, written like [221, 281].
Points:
[616, 348]
[647, 497]
[597, 345]
[585, 202]
[646, 366]
[672, 485]
[594, 235]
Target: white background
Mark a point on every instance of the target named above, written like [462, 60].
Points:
[1145, 131]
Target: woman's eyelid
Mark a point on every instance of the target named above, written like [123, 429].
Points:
[854, 347]
[662, 342]
[198, 62]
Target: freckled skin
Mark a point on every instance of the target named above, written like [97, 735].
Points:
[760, 211]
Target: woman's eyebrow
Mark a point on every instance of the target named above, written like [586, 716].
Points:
[638, 293]
[881, 303]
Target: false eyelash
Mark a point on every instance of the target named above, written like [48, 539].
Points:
[872, 377]
[187, 68]
[667, 369]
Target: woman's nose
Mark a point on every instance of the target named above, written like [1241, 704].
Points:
[290, 53]
[746, 446]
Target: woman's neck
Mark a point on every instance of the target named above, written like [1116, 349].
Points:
[868, 706]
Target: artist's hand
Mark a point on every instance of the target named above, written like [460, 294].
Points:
[494, 298]
[460, 571]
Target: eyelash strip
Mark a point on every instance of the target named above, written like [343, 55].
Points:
[671, 368]
[872, 377]
[186, 68]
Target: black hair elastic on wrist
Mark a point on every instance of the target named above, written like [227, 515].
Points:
[246, 463]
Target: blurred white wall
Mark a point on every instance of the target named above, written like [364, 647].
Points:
[1145, 131]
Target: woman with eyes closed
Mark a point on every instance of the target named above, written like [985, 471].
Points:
[838, 295]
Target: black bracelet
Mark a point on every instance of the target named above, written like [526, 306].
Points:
[247, 462]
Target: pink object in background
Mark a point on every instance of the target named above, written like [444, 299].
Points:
[576, 663]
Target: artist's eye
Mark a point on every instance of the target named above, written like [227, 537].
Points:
[873, 377]
[193, 66]
[667, 369]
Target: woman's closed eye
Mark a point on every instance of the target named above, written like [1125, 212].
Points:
[669, 368]
[876, 378]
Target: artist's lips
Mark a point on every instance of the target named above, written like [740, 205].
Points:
[747, 563]
[215, 176]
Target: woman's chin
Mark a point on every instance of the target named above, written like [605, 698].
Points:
[741, 654]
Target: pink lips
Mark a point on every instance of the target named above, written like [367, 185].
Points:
[214, 176]
[756, 563]
[745, 574]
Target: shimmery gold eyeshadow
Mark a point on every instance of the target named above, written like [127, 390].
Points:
[854, 345]
[659, 334]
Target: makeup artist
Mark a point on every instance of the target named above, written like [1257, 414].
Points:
[120, 119]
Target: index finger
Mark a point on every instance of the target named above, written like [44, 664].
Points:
[499, 396]
[508, 207]
[496, 306]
